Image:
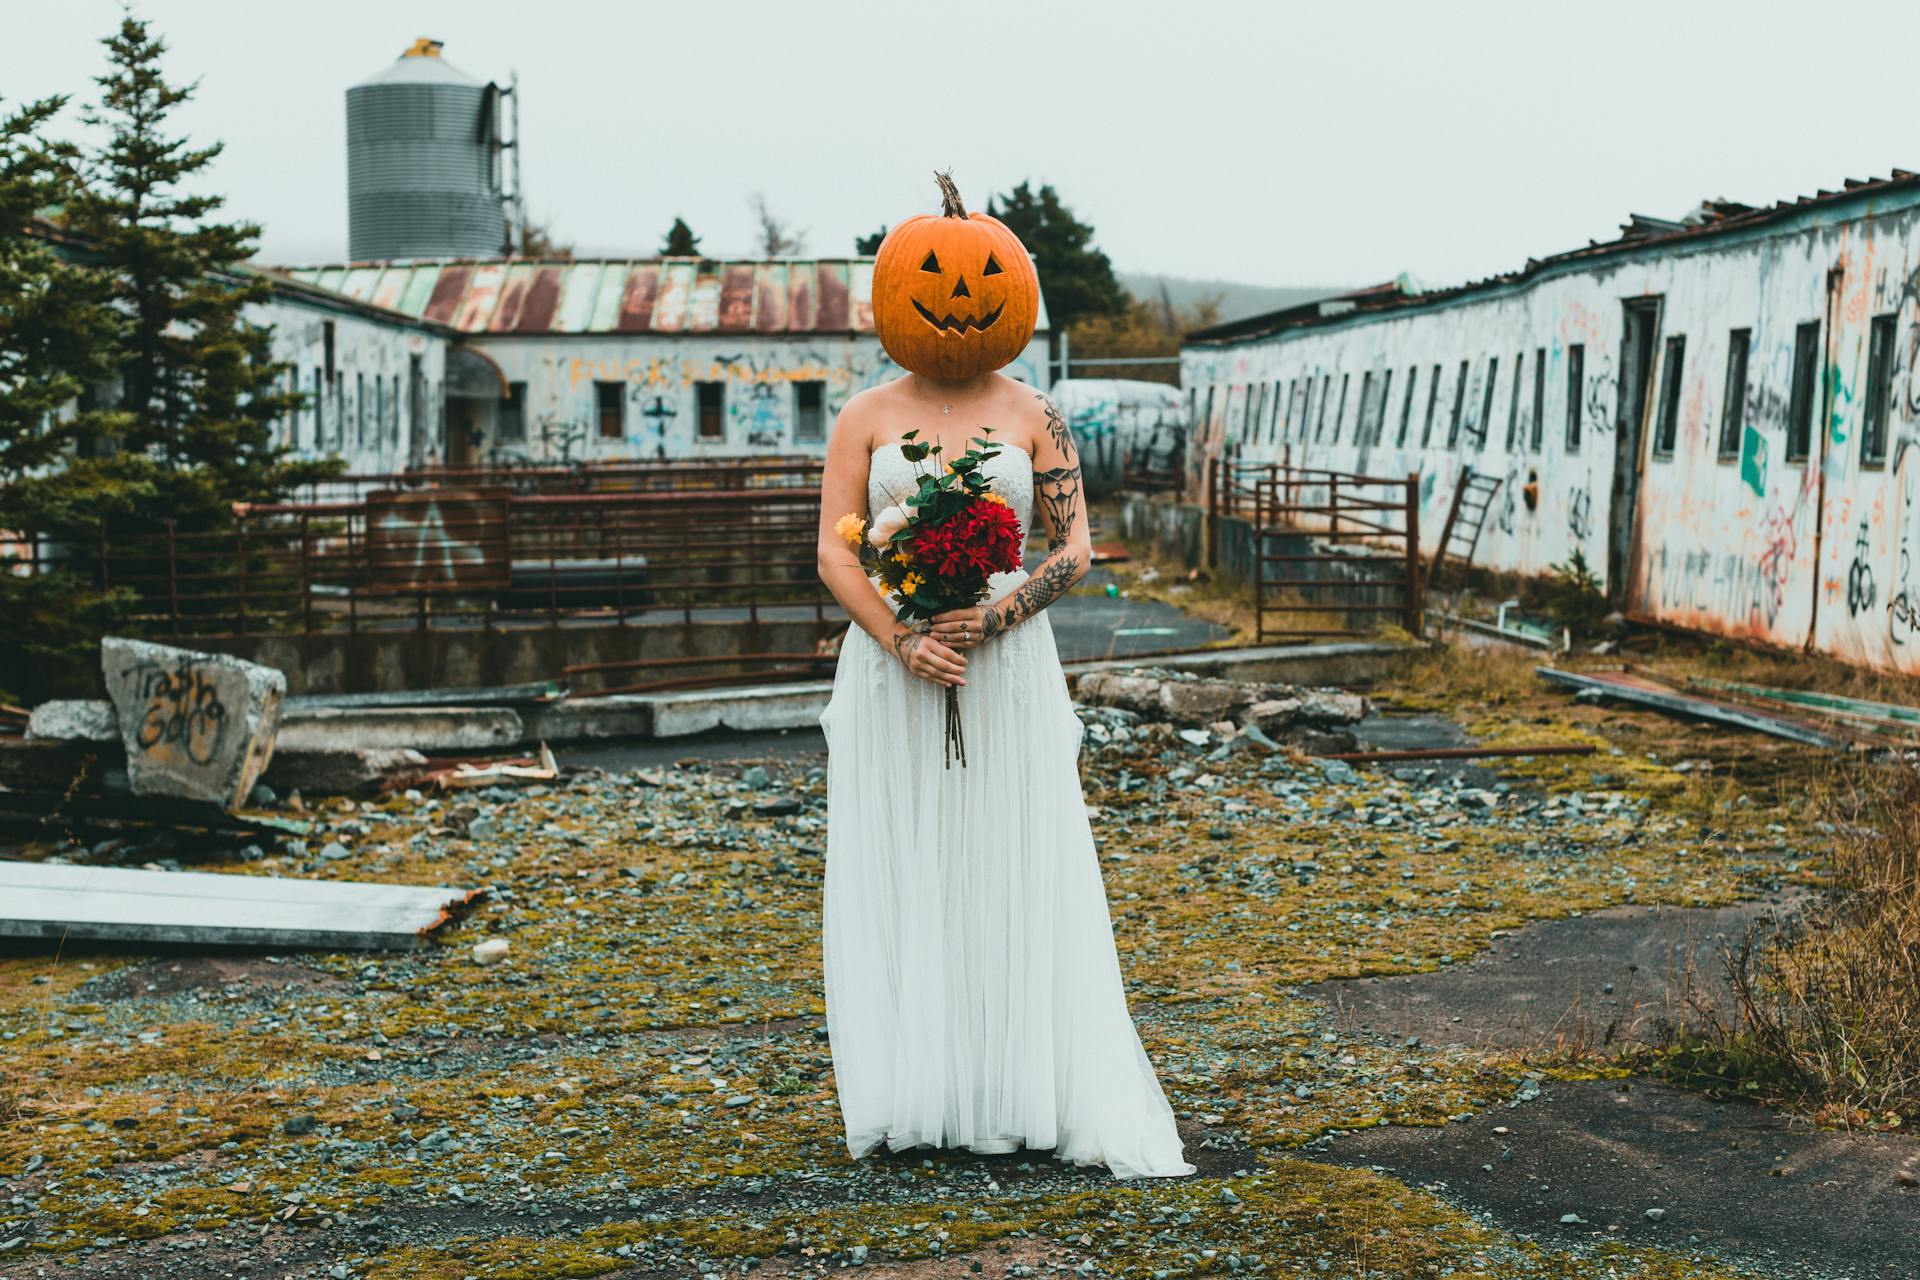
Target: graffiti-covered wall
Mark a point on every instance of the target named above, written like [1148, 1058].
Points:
[1720, 418]
[607, 397]
[1124, 429]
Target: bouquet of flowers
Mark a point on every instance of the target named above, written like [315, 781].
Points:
[934, 549]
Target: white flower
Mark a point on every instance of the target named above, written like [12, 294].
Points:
[886, 524]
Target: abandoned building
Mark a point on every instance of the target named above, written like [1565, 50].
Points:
[556, 361]
[1715, 413]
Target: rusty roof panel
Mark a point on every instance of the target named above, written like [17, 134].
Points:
[447, 293]
[542, 300]
[832, 313]
[615, 295]
[636, 300]
[736, 297]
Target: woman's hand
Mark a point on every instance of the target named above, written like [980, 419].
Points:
[926, 657]
[962, 629]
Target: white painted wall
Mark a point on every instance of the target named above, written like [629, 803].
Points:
[1722, 544]
[759, 376]
[364, 414]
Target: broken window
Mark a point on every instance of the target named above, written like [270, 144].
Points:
[1733, 407]
[1406, 406]
[809, 411]
[1513, 403]
[1433, 401]
[1486, 403]
[1667, 430]
[1320, 423]
[1364, 419]
[510, 420]
[711, 398]
[1806, 370]
[1380, 407]
[1459, 403]
[1538, 426]
[610, 400]
[1873, 433]
[1340, 412]
[1576, 392]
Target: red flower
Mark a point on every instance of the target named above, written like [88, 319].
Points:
[983, 539]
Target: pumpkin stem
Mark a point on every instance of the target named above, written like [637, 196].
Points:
[950, 204]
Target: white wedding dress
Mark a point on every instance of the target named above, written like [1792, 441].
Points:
[974, 997]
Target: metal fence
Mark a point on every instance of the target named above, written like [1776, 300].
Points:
[473, 556]
[1299, 518]
[643, 476]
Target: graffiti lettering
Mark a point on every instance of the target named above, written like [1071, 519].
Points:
[184, 712]
[1859, 576]
[1580, 515]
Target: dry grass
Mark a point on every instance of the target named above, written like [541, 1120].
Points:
[1828, 1011]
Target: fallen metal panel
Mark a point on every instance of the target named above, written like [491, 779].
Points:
[53, 901]
[1638, 689]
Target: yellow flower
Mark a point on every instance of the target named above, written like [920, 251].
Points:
[912, 583]
[991, 496]
[851, 527]
[879, 586]
[901, 557]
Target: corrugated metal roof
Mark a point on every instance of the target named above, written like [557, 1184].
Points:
[645, 295]
[600, 295]
[1639, 233]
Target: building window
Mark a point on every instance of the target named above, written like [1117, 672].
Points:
[510, 420]
[1250, 410]
[1576, 392]
[1273, 412]
[1806, 370]
[610, 407]
[1459, 404]
[1306, 404]
[1513, 403]
[1364, 419]
[319, 409]
[1433, 401]
[1320, 423]
[1486, 402]
[360, 409]
[1341, 412]
[1538, 428]
[1406, 406]
[712, 399]
[1380, 407]
[1667, 430]
[1873, 433]
[810, 411]
[1733, 405]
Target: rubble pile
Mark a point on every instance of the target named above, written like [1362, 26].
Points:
[1271, 715]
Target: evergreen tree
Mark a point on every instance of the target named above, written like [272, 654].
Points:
[199, 389]
[1076, 279]
[680, 241]
[58, 334]
[870, 245]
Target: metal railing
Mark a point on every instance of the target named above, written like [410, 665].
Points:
[467, 557]
[779, 471]
[1299, 517]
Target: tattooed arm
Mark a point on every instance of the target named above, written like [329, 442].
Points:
[1060, 508]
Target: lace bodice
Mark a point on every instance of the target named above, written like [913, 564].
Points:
[891, 478]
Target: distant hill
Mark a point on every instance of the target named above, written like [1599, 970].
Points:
[1237, 301]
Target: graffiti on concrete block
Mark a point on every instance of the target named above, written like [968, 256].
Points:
[184, 713]
[1860, 576]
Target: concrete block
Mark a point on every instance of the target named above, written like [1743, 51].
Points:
[339, 771]
[74, 720]
[198, 726]
[761, 709]
[620, 715]
[420, 728]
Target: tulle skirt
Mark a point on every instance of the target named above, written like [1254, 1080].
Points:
[974, 997]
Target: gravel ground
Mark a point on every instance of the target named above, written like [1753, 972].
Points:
[643, 1088]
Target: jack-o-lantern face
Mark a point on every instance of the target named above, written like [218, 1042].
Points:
[954, 295]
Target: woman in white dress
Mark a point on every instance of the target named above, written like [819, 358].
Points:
[974, 997]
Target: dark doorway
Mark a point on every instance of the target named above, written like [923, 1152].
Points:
[1637, 347]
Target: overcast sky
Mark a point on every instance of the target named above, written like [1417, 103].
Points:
[1273, 143]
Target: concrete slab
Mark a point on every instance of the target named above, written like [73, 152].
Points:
[55, 901]
[195, 726]
[430, 729]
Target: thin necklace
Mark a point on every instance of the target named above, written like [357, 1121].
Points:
[946, 408]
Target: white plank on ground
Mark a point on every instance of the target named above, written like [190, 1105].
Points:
[53, 900]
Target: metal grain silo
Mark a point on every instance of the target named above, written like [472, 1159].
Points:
[423, 162]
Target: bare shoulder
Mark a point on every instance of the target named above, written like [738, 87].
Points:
[860, 414]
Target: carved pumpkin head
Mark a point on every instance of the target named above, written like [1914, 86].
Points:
[954, 295]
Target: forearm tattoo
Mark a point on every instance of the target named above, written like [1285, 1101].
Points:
[1057, 490]
[1055, 578]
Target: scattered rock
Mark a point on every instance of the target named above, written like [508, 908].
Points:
[299, 1125]
[492, 951]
